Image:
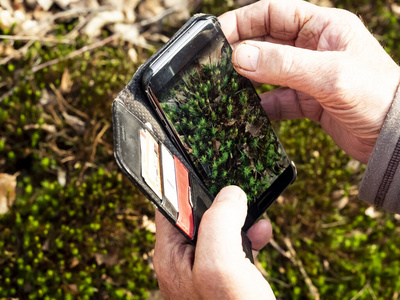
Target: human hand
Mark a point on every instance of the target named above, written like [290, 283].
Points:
[335, 70]
[217, 267]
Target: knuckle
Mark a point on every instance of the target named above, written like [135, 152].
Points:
[288, 70]
[349, 17]
[277, 63]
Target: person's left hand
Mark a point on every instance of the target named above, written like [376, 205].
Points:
[217, 267]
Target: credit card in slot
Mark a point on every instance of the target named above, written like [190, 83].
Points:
[150, 158]
[185, 215]
[169, 177]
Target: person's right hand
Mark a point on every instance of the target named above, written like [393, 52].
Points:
[335, 70]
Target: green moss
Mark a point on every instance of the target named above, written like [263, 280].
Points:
[49, 238]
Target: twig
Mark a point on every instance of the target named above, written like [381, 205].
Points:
[371, 291]
[57, 60]
[80, 11]
[64, 103]
[360, 292]
[279, 249]
[75, 53]
[21, 50]
[35, 38]
[46, 24]
[97, 139]
[10, 92]
[333, 224]
[297, 262]
[158, 17]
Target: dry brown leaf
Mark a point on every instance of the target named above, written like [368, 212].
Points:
[6, 50]
[75, 123]
[150, 8]
[45, 4]
[396, 9]
[6, 4]
[39, 14]
[231, 122]
[47, 98]
[254, 128]
[6, 18]
[74, 263]
[64, 3]
[46, 245]
[246, 151]
[109, 260]
[73, 288]
[128, 33]
[216, 144]
[342, 203]
[95, 25]
[218, 99]
[133, 55]
[126, 6]
[66, 82]
[8, 183]
[182, 10]
[85, 4]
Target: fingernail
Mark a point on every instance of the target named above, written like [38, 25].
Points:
[230, 193]
[246, 57]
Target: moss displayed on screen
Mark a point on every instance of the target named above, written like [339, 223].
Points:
[218, 117]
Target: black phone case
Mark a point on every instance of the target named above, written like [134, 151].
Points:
[131, 112]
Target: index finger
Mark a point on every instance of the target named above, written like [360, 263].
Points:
[279, 19]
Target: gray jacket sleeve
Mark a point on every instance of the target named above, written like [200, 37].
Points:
[381, 182]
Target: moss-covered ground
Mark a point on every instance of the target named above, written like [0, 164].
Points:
[79, 229]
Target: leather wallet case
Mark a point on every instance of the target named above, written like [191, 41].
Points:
[134, 121]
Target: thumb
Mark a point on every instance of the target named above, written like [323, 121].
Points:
[300, 69]
[220, 228]
[220, 270]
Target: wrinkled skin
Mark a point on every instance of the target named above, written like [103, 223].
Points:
[217, 268]
[335, 70]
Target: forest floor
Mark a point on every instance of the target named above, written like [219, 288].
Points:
[73, 227]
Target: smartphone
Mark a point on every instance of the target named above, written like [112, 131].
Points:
[214, 116]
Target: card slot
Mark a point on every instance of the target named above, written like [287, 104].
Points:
[169, 177]
[127, 128]
[162, 155]
[185, 215]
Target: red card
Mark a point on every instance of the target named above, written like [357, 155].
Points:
[185, 217]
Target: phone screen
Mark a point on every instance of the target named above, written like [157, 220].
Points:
[219, 119]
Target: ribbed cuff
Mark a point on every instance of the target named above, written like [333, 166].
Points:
[381, 181]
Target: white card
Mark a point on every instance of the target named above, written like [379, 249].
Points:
[169, 177]
[150, 158]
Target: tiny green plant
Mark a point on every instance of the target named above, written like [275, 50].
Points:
[217, 108]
